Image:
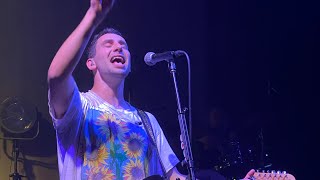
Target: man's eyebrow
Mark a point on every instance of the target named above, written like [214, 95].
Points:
[107, 41]
[122, 42]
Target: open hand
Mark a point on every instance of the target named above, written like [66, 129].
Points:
[101, 8]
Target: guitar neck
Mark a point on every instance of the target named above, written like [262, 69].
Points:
[273, 176]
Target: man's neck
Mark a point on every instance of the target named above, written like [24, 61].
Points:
[112, 92]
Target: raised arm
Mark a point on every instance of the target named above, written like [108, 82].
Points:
[60, 80]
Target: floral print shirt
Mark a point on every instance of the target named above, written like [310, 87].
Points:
[95, 140]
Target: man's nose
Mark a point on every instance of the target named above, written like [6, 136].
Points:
[117, 47]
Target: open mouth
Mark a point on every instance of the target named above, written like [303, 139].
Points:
[118, 59]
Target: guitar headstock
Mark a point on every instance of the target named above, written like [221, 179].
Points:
[273, 175]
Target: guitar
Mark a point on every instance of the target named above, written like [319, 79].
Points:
[273, 175]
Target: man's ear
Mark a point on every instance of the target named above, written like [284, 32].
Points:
[91, 65]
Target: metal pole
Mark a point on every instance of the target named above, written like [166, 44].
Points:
[183, 126]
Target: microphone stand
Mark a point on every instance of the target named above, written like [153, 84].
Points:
[183, 126]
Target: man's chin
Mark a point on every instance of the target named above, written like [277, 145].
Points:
[120, 74]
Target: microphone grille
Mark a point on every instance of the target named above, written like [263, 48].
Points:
[148, 58]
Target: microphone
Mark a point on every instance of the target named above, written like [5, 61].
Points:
[152, 58]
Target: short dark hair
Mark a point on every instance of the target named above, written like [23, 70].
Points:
[91, 51]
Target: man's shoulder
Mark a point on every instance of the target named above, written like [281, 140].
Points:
[149, 114]
[88, 98]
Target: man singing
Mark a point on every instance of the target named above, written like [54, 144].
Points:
[99, 134]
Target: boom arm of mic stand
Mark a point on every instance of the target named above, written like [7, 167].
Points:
[183, 126]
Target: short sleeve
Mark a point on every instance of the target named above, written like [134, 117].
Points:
[167, 155]
[72, 115]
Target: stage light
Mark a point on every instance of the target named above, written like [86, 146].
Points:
[17, 119]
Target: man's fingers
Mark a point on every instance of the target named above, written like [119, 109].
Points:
[249, 174]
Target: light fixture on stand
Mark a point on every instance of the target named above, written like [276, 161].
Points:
[17, 120]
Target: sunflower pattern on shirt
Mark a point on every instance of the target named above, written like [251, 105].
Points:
[114, 149]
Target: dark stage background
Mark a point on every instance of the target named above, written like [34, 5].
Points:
[253, 61]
